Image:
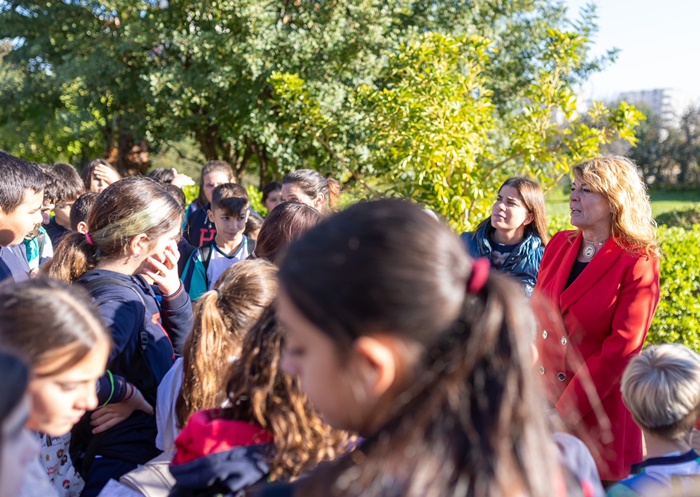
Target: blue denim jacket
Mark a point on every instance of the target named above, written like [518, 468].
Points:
[523, 263]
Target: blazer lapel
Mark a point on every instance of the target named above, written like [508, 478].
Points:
[596, 270]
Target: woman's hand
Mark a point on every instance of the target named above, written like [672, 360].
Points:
[163, 270]
[110, 415]
[106, 174]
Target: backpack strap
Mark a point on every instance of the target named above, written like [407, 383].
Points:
[205, 251]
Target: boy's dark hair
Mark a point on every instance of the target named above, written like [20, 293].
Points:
[177, 193]
[229, 197]
[52, 186]
[17, 176]
[81, 209]
[162, 175]
[69, 184]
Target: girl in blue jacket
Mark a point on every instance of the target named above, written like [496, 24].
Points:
[128, 262]
[513, 238]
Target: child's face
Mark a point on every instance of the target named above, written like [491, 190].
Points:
[62, 212]
[46, 209]
[509, 213]
[328, 382]
[212, 180]
[16, 225]
[60, 400]
[273, 200]
[228, 226]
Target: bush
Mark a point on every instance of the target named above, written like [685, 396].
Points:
[677, 319]
[681, 219]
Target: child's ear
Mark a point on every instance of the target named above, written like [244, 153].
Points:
[318, 202]
[82, 227]
[139, 244]
[210, 215]
[529, 218]
[377, 366]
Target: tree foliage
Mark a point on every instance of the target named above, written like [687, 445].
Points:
[669, 154]
[437, 101]
[434, 132]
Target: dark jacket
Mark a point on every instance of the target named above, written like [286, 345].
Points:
[199, 229]
[55, 231]
[13, 263]
[218, 456]
[523, 263]
[166, 320]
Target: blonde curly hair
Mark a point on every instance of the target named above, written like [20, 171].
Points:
[619, 180]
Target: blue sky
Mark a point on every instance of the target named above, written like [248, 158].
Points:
[659, 44]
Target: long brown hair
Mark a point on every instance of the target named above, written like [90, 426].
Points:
[127, 208]
[41, 317]
[262, 393]
[222, 317]
[619, 180]
[471, 422]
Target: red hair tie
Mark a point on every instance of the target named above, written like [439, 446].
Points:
[479, 276]
[89, 239]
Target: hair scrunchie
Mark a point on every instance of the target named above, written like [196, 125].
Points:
[89, 239]
[480, 274]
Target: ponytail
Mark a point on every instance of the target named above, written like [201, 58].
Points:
[207, 356]
[222, 317]
[334, 189]
[73, 257]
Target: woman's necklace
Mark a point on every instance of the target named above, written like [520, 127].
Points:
[591, 248]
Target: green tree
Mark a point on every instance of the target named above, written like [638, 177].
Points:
[669, 154]
[129, 75]
[433, 131]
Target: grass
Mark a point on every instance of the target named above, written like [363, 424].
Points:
[661, 201]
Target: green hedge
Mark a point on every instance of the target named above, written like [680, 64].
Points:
[677, 319]
[682, 218]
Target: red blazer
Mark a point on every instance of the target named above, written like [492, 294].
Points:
[588, 333]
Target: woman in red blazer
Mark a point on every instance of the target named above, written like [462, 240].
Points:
[596, 296]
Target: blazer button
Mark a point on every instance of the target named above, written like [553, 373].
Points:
[541, 369]
[563, 340]
[544, 334]
[561, 377]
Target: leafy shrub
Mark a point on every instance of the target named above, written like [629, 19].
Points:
[677, 319]
[558, 223]
[681, 218]
[255, 197]
[191, 193]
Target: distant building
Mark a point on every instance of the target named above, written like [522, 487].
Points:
[669, 104]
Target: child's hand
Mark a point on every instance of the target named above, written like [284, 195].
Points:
[106, 174]
[110, 415]
[163, 270]
[181, 180]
